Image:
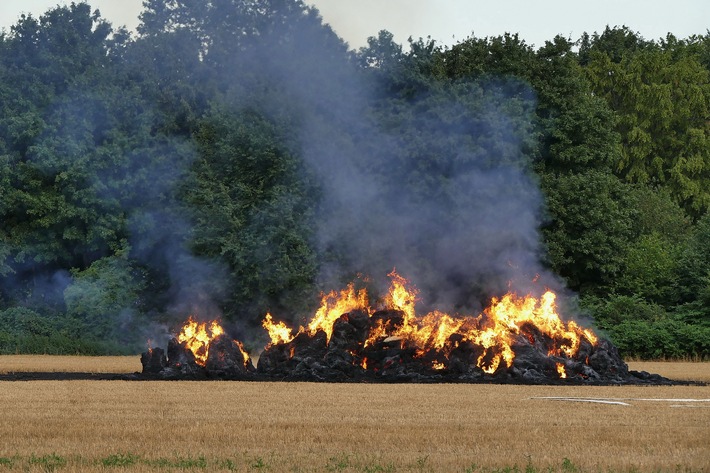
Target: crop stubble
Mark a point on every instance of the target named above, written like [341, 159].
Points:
[356, 427]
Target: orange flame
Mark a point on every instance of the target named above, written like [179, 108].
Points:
[244, 353]
[278, 332]
[494, 331]
[561, 370]
[197, 337]
[504, 319]
[402, 297]
[333, 305]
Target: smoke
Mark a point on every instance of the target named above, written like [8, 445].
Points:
[430, 178]
[434, 183]
[97, 154]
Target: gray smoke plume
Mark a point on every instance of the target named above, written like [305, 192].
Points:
[435, 184]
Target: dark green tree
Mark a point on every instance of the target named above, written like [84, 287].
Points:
[661, 96]
[253, 209]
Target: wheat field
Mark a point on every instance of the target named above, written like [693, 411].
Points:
[69, 364]
[304, 427]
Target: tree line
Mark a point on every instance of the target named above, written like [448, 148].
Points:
[202, 162]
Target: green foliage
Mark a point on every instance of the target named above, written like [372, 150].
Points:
[48, 462]
[120, 459]
[27, 331]
[661, 95]
[258, 463]
[651, 269]
[695, 265]
[568, 466]
[122, 157]
[648, 331]
[53, 462]
[102, 298]
[589, 229]
[253, 210]
[338, 463]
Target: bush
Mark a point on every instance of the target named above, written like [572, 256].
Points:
[645, 330]
[23, 330]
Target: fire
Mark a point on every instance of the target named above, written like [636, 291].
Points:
[278, 332]
[561, 370]
[507, 316]
[197, 337]
[402, 297]
[508, 320]
[244, 353]
[333, 305]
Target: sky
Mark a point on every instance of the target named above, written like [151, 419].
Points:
[450, 21]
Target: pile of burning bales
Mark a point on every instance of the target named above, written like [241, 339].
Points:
[515, 340]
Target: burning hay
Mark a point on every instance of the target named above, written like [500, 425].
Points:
[199, 351]
[515, 340]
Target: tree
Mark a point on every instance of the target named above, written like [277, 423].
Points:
[102, 300]
[590, 228]
[661, 95]
[616, 43]
[253, 210]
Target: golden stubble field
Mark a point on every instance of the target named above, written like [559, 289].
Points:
[242, 426]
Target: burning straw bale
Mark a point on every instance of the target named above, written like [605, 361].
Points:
[199, 356]
[515, 340]
[396, 359]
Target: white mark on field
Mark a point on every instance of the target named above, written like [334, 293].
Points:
[620, 400]
[581, 399]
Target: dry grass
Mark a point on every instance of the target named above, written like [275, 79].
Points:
[73, 364]
[689, 371]
[80, 425]
[237, 426]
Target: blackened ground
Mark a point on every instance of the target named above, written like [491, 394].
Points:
[635, 378]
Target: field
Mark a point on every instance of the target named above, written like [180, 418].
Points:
[238, 426]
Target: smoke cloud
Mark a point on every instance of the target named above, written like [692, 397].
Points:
[436, 184]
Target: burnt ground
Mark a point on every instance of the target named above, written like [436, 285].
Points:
[636, 378]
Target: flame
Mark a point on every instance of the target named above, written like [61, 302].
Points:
[508, 315]
[244, 353]
[278, 332]
[494, 332]
[197, 337]
[431, 331]
[402, 296]
[561, 370]
[333, 305]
